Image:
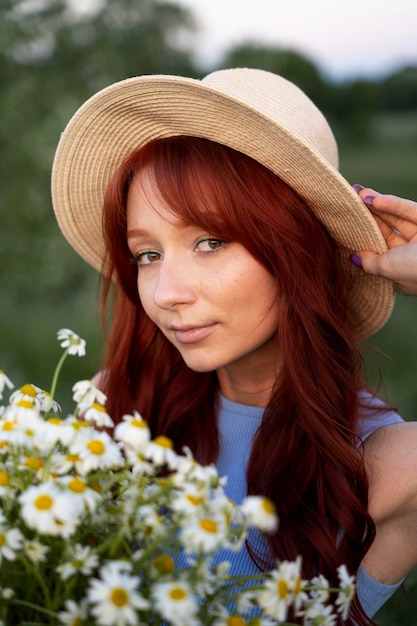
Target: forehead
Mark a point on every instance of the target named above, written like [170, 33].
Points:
[145, 201]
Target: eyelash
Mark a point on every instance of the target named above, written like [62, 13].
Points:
[135, 259]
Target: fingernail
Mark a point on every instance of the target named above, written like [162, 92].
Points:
[356, 260]
[357, 187]
[368, 200]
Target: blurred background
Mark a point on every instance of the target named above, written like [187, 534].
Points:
[359, 64]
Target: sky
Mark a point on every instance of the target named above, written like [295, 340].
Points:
[345, 38]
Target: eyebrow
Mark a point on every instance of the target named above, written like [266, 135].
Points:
[137, 232]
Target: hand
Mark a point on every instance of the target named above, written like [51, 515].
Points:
[397, 219]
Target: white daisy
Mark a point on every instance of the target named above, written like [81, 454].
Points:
[139, 465]
[319, 615]
[24, 409]
[11, 540]
[281, 589]
[161, 452]
[26, 392]
[48, 510]
[75, 614]
[261, 513]
[78, 487]
[96, 414]
[85, 394]
[46, 401]
[96, 450]
[82, 559]
[71, 341]
[204, 534]
[4, 382]
[115, 596]
[52, 431]
[346, 593]
[35, 551]
[134, 432]
[321, 592]
[175, 602]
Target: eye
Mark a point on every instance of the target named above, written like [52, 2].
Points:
[146, 257]
[208, 244]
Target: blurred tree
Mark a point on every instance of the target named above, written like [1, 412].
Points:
[398, 92]
[53, 55]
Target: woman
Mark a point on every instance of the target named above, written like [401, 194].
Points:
[237, 321]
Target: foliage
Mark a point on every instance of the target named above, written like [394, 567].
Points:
[122, 530]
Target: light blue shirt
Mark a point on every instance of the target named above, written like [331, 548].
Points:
[237, 426]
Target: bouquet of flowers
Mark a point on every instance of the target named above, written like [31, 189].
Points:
[115, 531]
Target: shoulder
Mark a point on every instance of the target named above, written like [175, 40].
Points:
[390, 455]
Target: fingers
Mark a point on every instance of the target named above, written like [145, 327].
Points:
[396, 217]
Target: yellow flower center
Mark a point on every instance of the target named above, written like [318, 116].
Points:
[268, 506]
[96, 447]
[119, 596]
[9, 425]
[43, 502]
[77, 485]
[4, 479]
[56, 421]
[26, 404]
[138, 423]
[177, 594]
[209, 525]
[236, 620]
[28, 390]
[163, 564]
[79, 424]
[34, 463]
[282, 589]
[194, 500]
[2, 540]
[164, 442]
[72, 458]
[298, 586]
[98, 407]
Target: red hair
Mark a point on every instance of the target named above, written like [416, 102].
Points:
[304, 456]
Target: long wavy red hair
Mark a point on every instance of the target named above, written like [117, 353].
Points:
[305, 454]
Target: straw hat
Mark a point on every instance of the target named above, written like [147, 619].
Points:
[253, 111]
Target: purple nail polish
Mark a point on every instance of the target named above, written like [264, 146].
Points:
[356, 260]
[357, 187]
[368, 200]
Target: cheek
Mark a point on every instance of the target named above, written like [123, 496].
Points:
[145, 296]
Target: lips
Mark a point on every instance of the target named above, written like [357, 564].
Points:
[192, 334]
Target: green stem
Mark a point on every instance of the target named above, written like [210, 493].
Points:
[55, 379]
[36, 607]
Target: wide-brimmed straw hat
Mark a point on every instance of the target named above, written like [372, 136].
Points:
[253, 111]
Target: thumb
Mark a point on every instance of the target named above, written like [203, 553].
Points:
[370, 261]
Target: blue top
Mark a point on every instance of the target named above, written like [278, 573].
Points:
[237, 426]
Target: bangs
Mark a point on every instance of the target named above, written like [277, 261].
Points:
[204, 184]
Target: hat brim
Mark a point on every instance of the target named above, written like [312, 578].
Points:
[128, 114]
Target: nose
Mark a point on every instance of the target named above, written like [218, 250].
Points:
[175, 285]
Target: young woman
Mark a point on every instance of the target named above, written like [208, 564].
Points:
[217, 215]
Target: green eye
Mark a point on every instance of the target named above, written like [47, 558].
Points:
[146, 257]
[209, 244]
